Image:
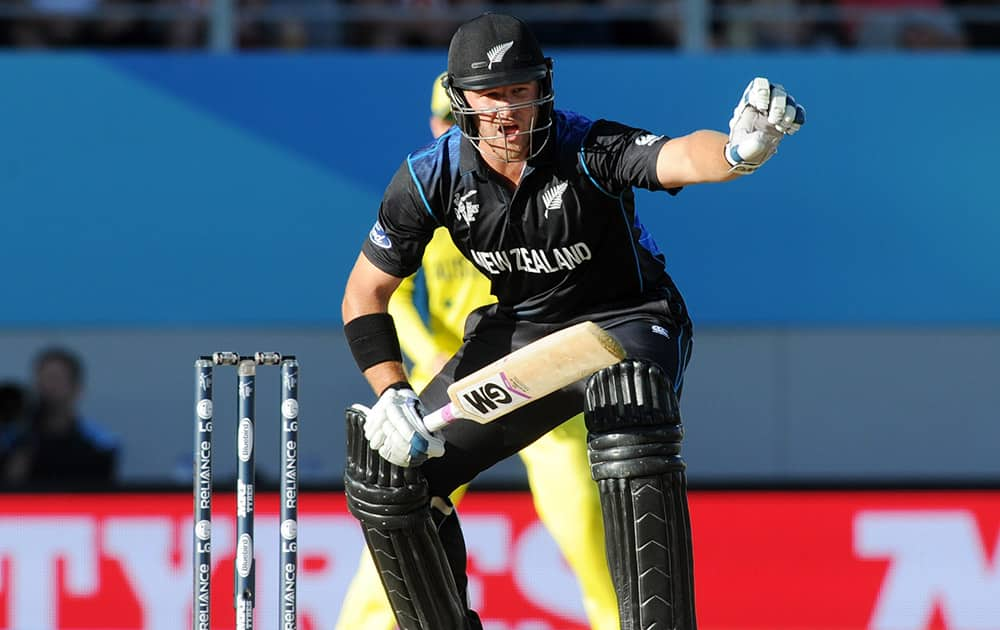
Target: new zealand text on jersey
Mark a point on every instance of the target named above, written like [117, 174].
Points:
[532, 260]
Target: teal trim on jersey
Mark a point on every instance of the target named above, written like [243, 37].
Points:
[418, 155]
[621, 205]
[586, 172]
[681, 354]
[420, 189]
[421, 296]
[635, 252]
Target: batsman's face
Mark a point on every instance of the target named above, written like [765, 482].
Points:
[506, 116]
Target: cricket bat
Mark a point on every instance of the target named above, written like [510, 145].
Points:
[527, 374]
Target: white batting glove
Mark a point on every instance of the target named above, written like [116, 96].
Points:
[395, 428]
[762, 118]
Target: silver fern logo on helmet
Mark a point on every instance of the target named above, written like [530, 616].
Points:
[493, 55]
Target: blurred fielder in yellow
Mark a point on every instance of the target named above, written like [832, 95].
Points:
[564, 494]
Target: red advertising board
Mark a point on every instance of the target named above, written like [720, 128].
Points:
[765, 561]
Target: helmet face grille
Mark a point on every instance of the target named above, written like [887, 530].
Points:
[467, 119]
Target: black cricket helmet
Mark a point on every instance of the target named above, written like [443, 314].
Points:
[494, 50]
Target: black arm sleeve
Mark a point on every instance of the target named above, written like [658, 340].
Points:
[618, 157]
[396, 242]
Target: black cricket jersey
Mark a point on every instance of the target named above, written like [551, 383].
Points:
[566, 242]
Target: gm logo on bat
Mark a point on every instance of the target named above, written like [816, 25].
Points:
[493, 397]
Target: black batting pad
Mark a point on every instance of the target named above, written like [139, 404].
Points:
[393, 506]
[635, 454]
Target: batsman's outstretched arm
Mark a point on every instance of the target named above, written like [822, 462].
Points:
[763, 116]
[367, 294]
[696, 158]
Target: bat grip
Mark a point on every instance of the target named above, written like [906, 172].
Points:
[440, 418]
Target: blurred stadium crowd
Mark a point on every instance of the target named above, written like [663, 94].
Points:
[305, 24]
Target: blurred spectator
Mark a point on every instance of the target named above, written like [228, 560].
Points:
[931, 30]
[58, 447]
[910, 24]
[76, 24]
[293, 31]
[572, 23]
[252, 33]
[121, 30]
[980, 33]
[60, 23]
[291, 35]
[654, 25]
[788, 24]
[432, 29]
[189, 29]
[785, 24]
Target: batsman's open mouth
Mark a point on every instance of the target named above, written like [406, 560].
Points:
[509, 130]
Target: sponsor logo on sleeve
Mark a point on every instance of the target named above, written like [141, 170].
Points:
[647, 139]
[378, 237]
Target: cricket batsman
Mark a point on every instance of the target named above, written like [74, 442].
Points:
[429, 309]
[541, 201]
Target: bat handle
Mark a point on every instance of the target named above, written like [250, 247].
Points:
[440, 418]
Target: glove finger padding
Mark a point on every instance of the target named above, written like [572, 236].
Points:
[375, 435]
[374, 431]
[395, 428]
[757, 95]
[776, 108]
[795, 117]
[407, 423]
[761, 119]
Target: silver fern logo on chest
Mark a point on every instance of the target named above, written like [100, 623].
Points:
[552, 198]
[464, 208]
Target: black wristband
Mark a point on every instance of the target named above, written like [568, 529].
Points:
[372, 339]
